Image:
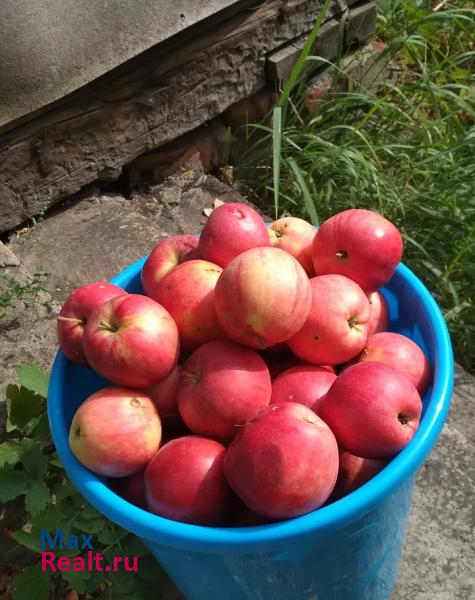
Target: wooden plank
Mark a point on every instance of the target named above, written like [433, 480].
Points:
[156, 100]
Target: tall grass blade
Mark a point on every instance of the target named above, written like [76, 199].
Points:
[276, 154]
[299, 65]
[307, 198]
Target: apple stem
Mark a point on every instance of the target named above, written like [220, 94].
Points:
[108, 326]
[72, 320]
[342, 254]
[193, 377]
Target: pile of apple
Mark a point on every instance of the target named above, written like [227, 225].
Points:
[257, 379]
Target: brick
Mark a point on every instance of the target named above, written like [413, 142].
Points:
[249, 110]
[198, 146]
[317, 91]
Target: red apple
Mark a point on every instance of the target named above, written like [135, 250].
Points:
[184, 482]
[354, 472]
[230, 230]
[132, 341]
[164, 395]
[131, 488]
[378, 313]
[360, 244]
[115, 432]
[305, 384]
[76, 311]
[336, 328]
[223, 386]
[187, 293]
[401, 353]
[262, 297]
[165, 256]
[372, 409]
[284, 463]
[295, 236]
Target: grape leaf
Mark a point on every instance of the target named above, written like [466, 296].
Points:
[50, 520]
[23, 406]
[13, 483]
[77, 580]
[64, 489]
[33, 459]
[32, 578]
[133, 546]
[31, 540]
[121, 581]
[33, 378]
[41, 431]
[37, 497]
[9, 453]
[106, 536]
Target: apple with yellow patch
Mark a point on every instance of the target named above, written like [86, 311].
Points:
[262, 297]
[294, 236]
[115, 432]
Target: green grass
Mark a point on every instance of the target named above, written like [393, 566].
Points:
[407, 151]
[13, 291]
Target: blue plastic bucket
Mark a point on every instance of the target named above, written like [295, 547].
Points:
[348, 550]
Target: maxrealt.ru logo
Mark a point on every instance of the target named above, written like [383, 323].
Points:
[91, 561]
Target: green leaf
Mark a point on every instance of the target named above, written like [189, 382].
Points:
[33, 378]
[37, 497]
[276, 154]
[9, 453]
[122, 581]
[41, 431]
[309, 204]
[13, 483]
[32, 583]
[95, 580]
[299, 65]
[143, 590]
[94, 526]
[77, 580]
[133, 546]
[66, 510]
[49, 519]
[107, 536]
[30, 540]
[33, 459]
[64, 489]
[22, 406]
[149, 570]
[54, 460]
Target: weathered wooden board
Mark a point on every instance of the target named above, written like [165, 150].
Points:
[161, 95]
